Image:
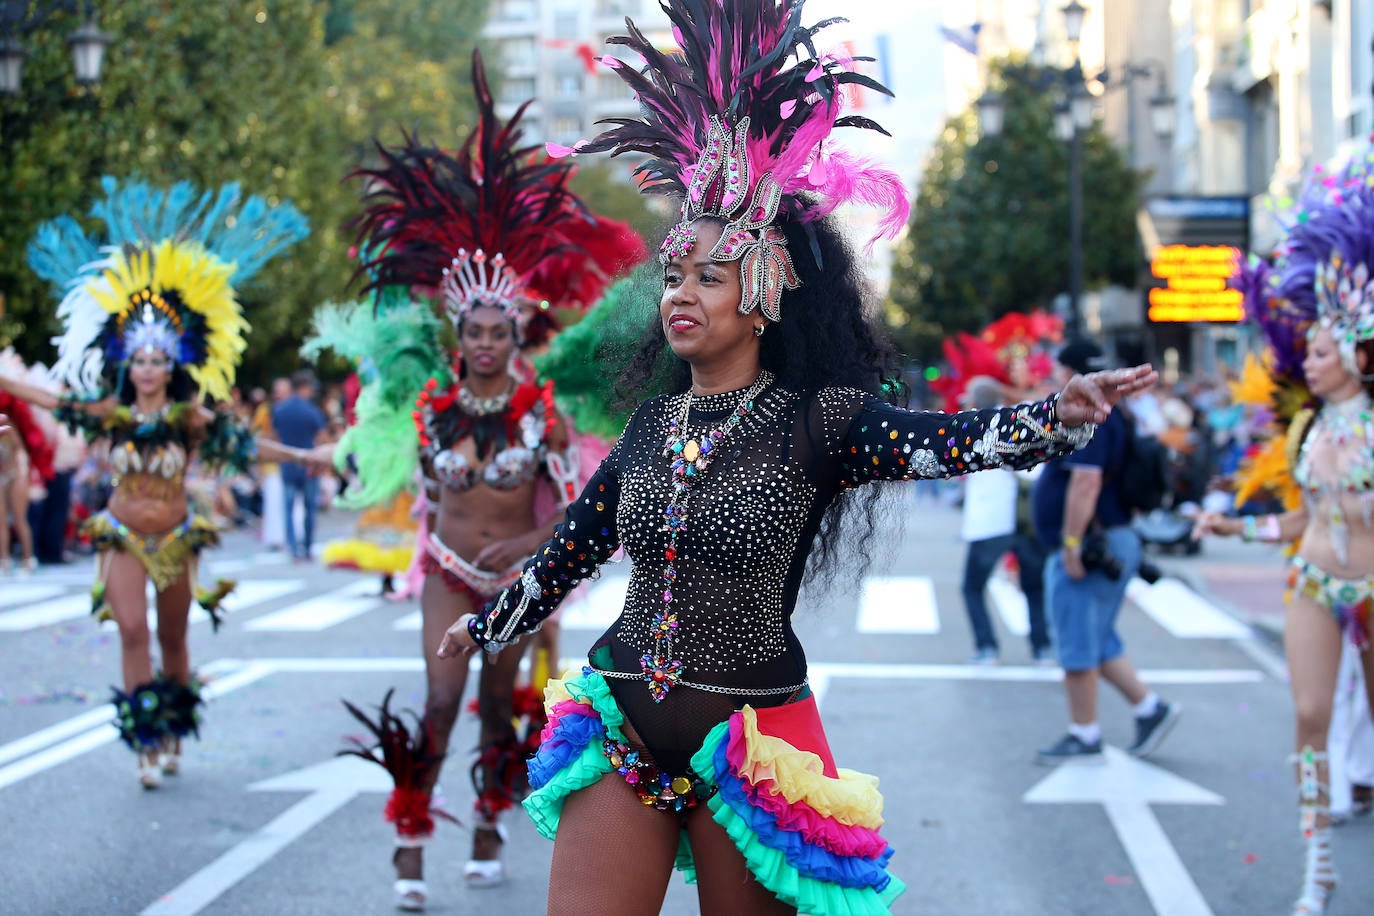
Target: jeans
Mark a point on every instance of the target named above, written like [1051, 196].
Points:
[1084, 610]
[979, 564]
[48, 519]
[308, 488]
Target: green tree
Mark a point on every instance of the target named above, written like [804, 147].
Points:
[989, 232]
[283, 98]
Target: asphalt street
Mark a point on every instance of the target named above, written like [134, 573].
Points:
[263, 819]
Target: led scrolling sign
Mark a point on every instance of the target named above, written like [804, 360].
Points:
[1197, 284]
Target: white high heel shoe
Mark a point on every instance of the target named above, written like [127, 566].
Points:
[410, 894]
[149, 770]
[487, 872]
[171, 757]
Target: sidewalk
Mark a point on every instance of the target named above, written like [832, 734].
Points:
[1246, 580]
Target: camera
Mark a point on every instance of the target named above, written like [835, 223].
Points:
[1097, 557]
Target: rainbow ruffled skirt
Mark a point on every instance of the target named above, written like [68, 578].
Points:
[808, 830]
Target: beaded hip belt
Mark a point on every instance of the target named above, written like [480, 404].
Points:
[484, 582]
[655, 788]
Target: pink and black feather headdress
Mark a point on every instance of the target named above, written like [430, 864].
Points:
[737, 123]
[473, 225]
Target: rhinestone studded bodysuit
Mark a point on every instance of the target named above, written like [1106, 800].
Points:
[753, 518]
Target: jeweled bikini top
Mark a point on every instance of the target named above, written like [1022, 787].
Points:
[1337, 462]
[520, 433]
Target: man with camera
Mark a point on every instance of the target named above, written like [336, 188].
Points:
[1079, 510]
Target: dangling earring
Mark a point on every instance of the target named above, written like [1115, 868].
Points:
[758, 330]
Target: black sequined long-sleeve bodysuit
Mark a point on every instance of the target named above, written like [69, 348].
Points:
[752, 518]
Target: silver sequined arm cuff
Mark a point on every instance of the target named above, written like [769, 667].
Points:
[1061, 438]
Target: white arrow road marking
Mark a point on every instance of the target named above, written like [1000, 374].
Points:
[1011, 605]
[898, 604]
[17, 593]
[1127, 787]
[321, 611]
[1183, 612]
[331, 785]
[104, 734]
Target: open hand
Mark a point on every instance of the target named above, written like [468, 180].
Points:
[499, 556]
[1090, 398]
[1210, 523]
[1073, 563]
[457, 640]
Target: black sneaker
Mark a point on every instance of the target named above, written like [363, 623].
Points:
[1069, 747]
[1150, 731]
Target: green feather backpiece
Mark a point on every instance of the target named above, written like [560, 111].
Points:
[384, 449]
[397, 350]
[403, 338]
[585, 361]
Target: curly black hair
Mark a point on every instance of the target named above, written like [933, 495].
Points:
[828, 337]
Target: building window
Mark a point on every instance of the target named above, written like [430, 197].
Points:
[569, 86]
[565, 130]
[517, 91]
[610, 86]
[516, 10]
[565, 24]
[518, 52]
[617, 7]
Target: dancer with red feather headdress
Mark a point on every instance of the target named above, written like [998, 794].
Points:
[490, 237]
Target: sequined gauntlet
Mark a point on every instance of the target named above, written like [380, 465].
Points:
[888, 443]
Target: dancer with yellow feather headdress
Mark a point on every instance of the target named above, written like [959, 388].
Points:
[151, 328]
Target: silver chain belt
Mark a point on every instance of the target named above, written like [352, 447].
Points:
[709, 688]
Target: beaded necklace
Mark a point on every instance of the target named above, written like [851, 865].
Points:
[481, 407]
[690, 458]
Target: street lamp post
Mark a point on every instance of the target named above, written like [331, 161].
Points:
[1073, 117]
[20, 17]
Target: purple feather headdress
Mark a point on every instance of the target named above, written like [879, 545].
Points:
[1320, 272]
[737, 124]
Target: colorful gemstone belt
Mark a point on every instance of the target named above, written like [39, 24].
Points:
[654, 787]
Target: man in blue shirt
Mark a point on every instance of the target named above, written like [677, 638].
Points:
[298, 423]
[1080, 515]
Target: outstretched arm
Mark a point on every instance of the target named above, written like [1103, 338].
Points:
[38, 397]
[883, 442]
[1270, 528]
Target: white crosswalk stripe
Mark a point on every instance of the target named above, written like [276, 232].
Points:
[13, 594]
[1183, 612]
[894, 605]
[46, 613]
[74, 605]
[321, 611]
[898, 604]
[596, 605]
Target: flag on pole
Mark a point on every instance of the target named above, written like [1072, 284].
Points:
[965, 38]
